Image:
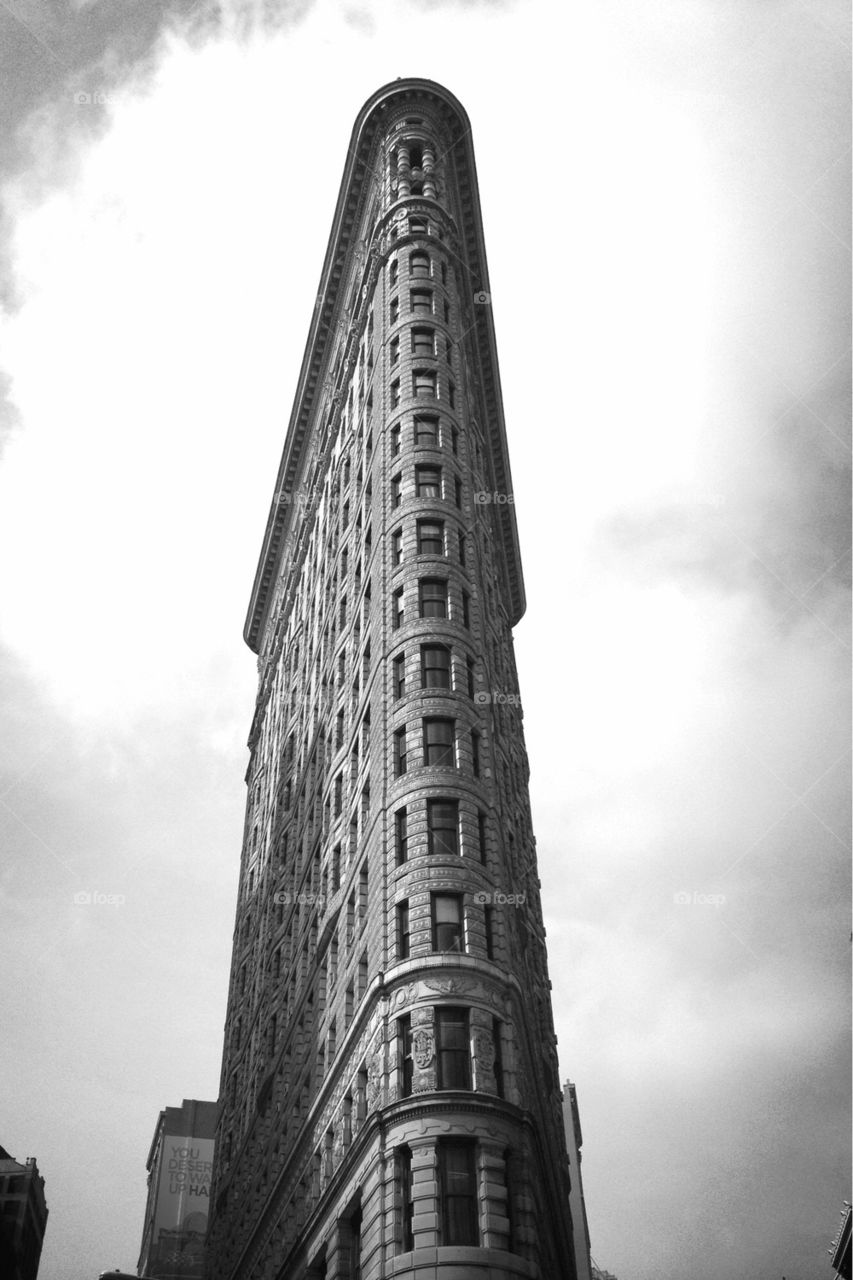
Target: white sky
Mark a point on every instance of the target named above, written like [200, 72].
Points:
[666, 235]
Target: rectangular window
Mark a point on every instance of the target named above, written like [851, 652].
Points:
[462, 548]
[399, 677]
[421, 300]
[469, 673]
[424, 383]
[452, 1048]
[475, 753]
[481, 834]
[423, 342]
[489, 925]
[395, 393]
[362, 898]
[457, 491]
[435, 666]
[447, 924]
[397, 609]
[439, 743]
[454, 439]
[446, 312]
[404, 1055]
[451, 395]
[419, 266]
[432, 597]
[428, 482]
[443, 826]
[401, 835]
[394, 350]
[397, 489]
[403, 930]
[395, 440]
[394, 310]
[430, 537]
[393, 270]
[397, 546]
[426, 430]
[457, 1176]
[466, 609]
[499, 1062]
[400, 752]
[405, 1207]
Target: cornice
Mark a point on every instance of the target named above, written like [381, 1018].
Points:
[354, 190]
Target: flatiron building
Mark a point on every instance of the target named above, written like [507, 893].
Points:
[390, 1100]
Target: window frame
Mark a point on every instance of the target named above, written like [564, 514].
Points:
[437, 842]
[452, 929]
[452, 1060]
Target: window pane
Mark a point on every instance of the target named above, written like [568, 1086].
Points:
[433, 597]
[430, 538]
[447, 928]
[423, 342]
[426, 431]
[423, 383]
[443, 824]
[453, 1053]
[435, 667]
[428, 482]
[438, 742]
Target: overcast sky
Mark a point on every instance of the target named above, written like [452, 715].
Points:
[664, 197]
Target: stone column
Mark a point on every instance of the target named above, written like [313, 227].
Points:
[429, 171]
[404, 172]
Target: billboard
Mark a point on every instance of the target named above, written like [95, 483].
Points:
[180, 1215]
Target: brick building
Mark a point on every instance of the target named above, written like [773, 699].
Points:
[23, 1217]
[389, 1098]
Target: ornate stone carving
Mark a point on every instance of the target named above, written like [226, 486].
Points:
[423, 1048]
[374, 1082]
[484, 1051]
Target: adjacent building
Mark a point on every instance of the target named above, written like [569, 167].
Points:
[23, 1217]
[839, 1250]
[180, 1163]
[390, 1100]
[577, 1207]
